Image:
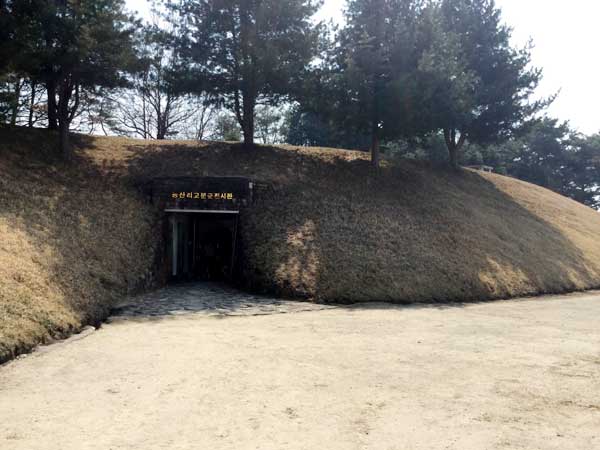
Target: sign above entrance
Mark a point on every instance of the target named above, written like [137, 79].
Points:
[209, 193]
[202, 195]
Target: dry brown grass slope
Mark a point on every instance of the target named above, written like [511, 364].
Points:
[70, 242]
[73, 238]
[329, 230]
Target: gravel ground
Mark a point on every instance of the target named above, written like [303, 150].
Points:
[519, 374]
[213, 299]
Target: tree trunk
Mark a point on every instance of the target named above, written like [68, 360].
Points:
[52, 116]
[248, 125]
[31, 104]
[15, 106]
[375, 147]
[161, 128]
[64, 119]
[453, 154]
[161, 116]
[248, 134]
[454, 146]
[65, 147]
[247, 70]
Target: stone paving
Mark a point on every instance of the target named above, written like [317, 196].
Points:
[207, 299]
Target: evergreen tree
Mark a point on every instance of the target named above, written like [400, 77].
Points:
[226, 128]
[370, 64]
[306, 127]
[71, 46]
[245, 52]
[476, 86]
[269, 124]
[7, 31]
[552, 155]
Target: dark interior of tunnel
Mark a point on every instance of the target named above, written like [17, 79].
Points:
[201, 246]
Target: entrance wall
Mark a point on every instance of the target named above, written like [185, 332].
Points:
[200, 217]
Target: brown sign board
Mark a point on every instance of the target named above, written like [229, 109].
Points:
[201, 193]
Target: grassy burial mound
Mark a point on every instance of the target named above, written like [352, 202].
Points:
[327, 229]
[72, 239]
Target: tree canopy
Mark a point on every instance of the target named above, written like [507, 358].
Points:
[69, 47]
[482, 86]
[245, 52]
[374, 53]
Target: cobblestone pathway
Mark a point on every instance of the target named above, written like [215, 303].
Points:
[207, 299]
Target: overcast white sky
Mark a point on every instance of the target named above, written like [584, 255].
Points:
[567, 40]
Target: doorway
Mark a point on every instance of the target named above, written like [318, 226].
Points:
[202, 245]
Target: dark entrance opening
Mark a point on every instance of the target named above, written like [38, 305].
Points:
[201, 245]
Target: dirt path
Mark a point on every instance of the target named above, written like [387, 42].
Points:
[505, 375]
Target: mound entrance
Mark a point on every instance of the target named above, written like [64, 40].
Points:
[200, 223]
[201, 245]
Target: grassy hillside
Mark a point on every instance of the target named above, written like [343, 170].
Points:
[71, 242]
[326, 229]
[329, 230]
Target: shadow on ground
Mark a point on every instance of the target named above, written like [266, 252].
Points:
[206, 298]
[222, 300]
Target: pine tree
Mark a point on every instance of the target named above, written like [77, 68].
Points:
[371, 61]
[71, 46]
[7, 30]
[476, 86]
[245, 52]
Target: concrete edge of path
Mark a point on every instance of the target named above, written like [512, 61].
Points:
[54, 345]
